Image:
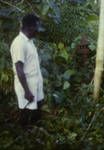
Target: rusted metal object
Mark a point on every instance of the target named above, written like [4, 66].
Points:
[82, 51]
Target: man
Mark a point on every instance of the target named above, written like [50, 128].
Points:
[28, 81]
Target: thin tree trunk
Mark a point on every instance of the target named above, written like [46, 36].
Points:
[100, 53]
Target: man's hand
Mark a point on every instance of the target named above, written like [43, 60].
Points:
[29, 96]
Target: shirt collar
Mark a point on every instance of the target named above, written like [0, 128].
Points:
[24, 36]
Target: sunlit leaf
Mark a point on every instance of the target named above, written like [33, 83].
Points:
[66, 85]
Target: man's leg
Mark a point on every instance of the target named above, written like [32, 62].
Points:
[24, 117]
[37, 114]
[40, 104]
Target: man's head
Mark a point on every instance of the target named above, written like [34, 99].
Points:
[31, 25]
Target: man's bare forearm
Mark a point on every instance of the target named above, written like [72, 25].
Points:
[21, 75]
[22, 78]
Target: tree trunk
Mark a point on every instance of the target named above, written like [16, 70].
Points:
[100, 53]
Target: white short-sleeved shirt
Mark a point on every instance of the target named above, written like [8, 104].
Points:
[23, 49]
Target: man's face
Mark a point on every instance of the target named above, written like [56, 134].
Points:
[32, 31]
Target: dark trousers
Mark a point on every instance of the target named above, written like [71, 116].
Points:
[29, 117]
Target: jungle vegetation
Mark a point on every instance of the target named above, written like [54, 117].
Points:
[72, 119]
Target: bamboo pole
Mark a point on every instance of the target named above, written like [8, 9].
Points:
[100, 53]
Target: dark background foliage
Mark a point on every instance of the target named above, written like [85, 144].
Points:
[71, 118]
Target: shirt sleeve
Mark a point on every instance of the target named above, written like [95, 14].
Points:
[18, 52]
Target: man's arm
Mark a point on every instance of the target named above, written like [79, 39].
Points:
[22, 78]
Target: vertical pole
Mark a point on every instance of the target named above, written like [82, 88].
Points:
[99, 53]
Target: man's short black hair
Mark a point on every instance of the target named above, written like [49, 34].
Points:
[29, 20]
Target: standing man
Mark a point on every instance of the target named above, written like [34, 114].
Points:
[28, 80]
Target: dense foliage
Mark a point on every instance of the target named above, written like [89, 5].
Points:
[71, 118]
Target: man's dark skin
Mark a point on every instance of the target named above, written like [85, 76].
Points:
[30, 33]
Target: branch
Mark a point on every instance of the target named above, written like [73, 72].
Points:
[91, 122]
[89, 126]
[30, 6]
[9, 4]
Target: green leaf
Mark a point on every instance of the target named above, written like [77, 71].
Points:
[92, 18]
[64, 54]
[92, 46]
[60, 46]
[45, 9]
[66, 85]
[45, 108]
[72, 136]
[73, 45]
[4, 77]
[67, 74]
